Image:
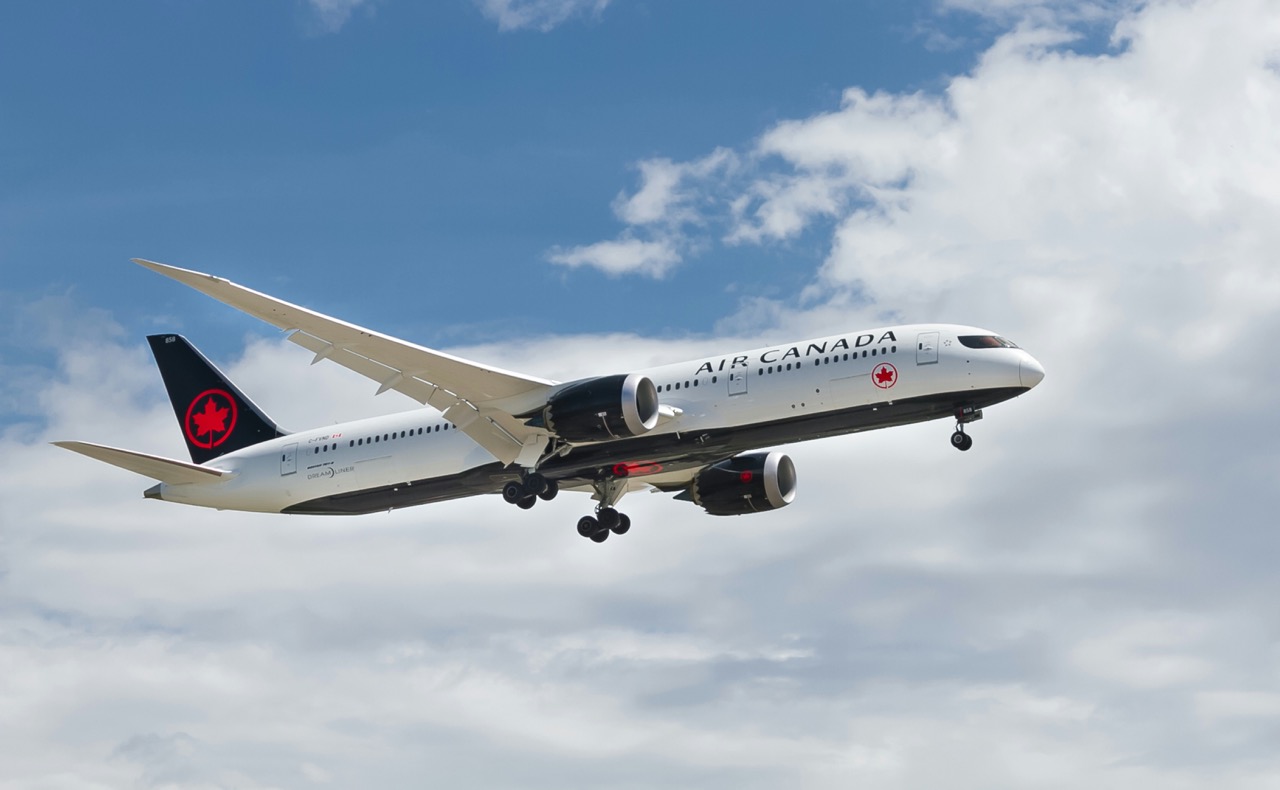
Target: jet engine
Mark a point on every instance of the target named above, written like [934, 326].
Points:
[609, 407]
[747, 483]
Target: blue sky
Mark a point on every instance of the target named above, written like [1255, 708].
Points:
[372, 171]
[576, 187]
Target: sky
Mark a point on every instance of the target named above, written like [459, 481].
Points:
[578, 187]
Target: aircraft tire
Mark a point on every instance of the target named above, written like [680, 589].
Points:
[549, 493]
[513, 492]
[624, 524]
[961, 441]
[588, 526]
[608, 518]
[600, 536]
[535, 483]
[527, 502]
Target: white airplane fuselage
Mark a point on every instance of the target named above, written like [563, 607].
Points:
[718, 406]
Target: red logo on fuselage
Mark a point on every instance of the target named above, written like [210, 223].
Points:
[210, 418]
[636, 468]
[885, 376]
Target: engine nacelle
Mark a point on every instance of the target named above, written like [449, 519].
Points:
[610, 407]
[747, 483]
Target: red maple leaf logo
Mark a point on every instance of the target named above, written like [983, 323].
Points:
[210, 418]
[884, 377]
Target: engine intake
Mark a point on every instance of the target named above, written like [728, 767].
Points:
[609, 407]
[747, 483]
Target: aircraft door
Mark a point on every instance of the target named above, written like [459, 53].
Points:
[927, 348]
[289, 459]
[737, 382]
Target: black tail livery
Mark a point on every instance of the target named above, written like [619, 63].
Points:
[215, 416]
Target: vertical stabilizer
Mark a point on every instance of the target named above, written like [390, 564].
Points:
[215, 416]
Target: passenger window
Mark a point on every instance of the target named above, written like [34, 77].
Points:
[873, 352]
[677, 385]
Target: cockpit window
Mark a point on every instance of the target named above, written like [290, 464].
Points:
[985, 341]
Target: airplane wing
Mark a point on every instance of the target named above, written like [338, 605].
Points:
[156, 467]
[479, 399]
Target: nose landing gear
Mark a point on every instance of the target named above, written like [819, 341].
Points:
[964, 415]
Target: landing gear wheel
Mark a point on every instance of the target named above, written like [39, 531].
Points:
[535, 483]
[527, 502]
[549, 493]
[624, 524]
[608, 517]
[601, 536]
[513, 492]
[961, 441]
[588, 526]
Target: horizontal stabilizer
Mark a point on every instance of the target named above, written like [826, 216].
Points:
[156, 467]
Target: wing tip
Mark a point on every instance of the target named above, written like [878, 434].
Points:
[177, 272]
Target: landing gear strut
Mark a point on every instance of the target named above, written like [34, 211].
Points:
[606, 519]
[964, 415]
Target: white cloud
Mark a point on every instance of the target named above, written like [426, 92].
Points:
[1045, 11]
[671, 196]
[622, 256]
[331, 15]
[669, 193]
[540, 15]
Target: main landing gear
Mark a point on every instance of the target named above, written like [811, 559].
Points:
[964, 415]
[525, 493]
[607, 519]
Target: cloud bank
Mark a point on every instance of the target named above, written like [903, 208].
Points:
[1085, 599]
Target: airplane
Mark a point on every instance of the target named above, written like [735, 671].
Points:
[699, 429]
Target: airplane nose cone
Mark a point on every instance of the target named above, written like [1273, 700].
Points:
[1030, 372]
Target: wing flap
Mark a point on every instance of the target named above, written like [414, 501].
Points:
[156, 467]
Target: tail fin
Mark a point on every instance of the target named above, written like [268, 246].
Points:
[215, 416]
